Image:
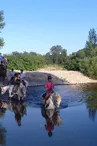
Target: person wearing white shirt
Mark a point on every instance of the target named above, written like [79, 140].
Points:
[12, 73]
[22, 75]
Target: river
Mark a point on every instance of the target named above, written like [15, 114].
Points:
[75, 124]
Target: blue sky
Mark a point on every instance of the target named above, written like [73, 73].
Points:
[37, 25]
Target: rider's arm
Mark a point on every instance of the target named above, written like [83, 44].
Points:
[46, 85]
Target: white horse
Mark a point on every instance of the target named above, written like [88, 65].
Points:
[16, 91]
[53, 102]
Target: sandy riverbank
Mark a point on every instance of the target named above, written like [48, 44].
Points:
[59, 77]
[72, 77]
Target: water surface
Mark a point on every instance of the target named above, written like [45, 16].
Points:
[75, 124]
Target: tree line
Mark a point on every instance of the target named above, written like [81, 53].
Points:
[84, 60]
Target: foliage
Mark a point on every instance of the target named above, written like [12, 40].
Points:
[92, 39]
[85, 60]
[1, 27]
[25, 61]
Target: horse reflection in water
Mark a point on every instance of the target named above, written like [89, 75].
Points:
[52, 118]
[19, 109]
[50, 111]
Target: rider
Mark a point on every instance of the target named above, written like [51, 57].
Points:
[49, 85]
[12, 73]
[22, 76]
[3, 59]
[1, 63]
[14, 76]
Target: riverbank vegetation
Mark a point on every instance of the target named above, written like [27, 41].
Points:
[84, 60]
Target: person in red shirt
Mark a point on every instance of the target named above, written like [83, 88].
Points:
[49, 86]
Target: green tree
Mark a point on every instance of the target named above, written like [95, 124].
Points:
[1, 27]
[55, 51]
[81, 54]
[92, 39]
[63, 57]
[48, 58]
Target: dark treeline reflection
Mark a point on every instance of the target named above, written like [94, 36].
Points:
[90, 98]
[2, 129]
[2, 136]
[91, 103]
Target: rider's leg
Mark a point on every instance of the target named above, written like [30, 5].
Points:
[10, 90]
